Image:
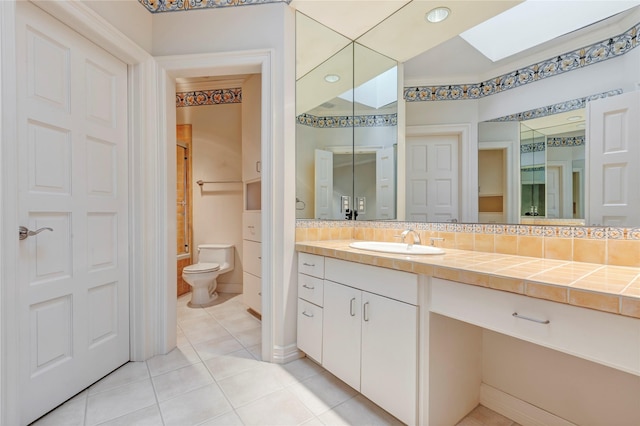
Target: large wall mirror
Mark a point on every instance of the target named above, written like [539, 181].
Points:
[533, 169]
[346, 129]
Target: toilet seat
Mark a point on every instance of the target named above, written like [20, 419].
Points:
[199, 268]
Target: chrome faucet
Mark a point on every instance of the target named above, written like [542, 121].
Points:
[416, 236]
[434, 239]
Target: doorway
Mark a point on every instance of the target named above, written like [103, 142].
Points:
[184, 203]
[254, 62]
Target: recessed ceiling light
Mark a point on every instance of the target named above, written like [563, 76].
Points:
[331, 78]
[438, 14]
[580, 126]
[574, 118]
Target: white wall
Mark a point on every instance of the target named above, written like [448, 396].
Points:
[216, 155]
[580, 391]
[129, 16]
[219, 29]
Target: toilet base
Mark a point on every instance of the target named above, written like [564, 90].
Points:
[203, 296]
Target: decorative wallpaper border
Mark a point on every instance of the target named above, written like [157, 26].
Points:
[601, 51]
[344, 121]
[565, 141]
[532, 147]
[570, 105]
[582, 232]
[209, 97]
[155, 6]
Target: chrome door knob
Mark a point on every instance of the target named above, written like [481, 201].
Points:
[24, 232]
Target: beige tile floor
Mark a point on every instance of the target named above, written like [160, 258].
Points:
[215, 377]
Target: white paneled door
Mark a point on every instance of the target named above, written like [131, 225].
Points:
[432, 175]
[323, 184]
[73, 285]
[613, 160]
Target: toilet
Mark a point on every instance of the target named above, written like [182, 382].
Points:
[213, 260]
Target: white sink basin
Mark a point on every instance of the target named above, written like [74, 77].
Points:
[398, 248]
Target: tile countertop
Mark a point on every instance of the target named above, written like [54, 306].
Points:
[614, 289]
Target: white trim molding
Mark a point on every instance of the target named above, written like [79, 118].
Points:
[518, 410]
[227, 63]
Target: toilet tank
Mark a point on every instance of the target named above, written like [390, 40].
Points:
[216, 253]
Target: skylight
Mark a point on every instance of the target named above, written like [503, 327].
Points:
[534, 22]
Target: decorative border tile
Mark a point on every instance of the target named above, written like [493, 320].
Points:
[209, 97]
[155, 6]
[549, 231]
[570, 105]
[565, 142]
[570, 61]
[347, 121]
[532, 147]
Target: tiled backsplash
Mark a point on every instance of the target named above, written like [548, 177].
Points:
[603, 245]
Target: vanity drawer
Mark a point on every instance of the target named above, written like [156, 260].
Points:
[398, 285]
[311, 264]
[310, 329]
[311, 289]
[252, 257]
[601, 337]
[252, 226]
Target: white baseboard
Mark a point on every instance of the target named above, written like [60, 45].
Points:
[285, 354]
[518, 410]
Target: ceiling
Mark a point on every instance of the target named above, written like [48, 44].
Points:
[397, 28]
[435, 53]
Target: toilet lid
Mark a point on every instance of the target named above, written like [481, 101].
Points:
[201, 267]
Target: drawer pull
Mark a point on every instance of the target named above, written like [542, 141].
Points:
[515, 314]
[307, 287]
[365, 312]
[250, 226]
[313, 265]
[306, 314]
[352, 307]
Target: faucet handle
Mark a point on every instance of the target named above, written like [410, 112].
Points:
[434, 239]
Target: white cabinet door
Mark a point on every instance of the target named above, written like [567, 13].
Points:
[341, 332]
[252, 292]
[251, 132]
[389, 355]
[310, 329]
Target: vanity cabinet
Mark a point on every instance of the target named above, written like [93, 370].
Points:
[310, 304]
[252, 261]
[370, 333]
[608, 339]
